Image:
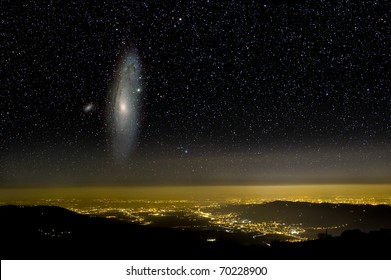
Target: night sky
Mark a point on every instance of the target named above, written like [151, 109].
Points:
[231, 92]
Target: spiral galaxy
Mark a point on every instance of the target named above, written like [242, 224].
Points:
[124, 106]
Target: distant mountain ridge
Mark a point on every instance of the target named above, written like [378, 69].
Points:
[48, 232]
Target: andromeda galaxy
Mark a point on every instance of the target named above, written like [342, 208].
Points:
[124, 105]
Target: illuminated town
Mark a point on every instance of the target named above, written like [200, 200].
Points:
[214, 214]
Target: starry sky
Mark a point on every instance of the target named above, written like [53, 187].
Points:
[233, 92]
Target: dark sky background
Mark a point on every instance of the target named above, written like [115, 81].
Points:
[234, 92]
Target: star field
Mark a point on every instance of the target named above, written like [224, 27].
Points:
[232, 90]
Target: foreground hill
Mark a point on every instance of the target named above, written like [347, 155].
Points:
[47, 232]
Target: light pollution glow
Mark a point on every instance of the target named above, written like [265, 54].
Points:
[337, 193]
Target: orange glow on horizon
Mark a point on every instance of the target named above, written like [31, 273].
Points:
[343, 193]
